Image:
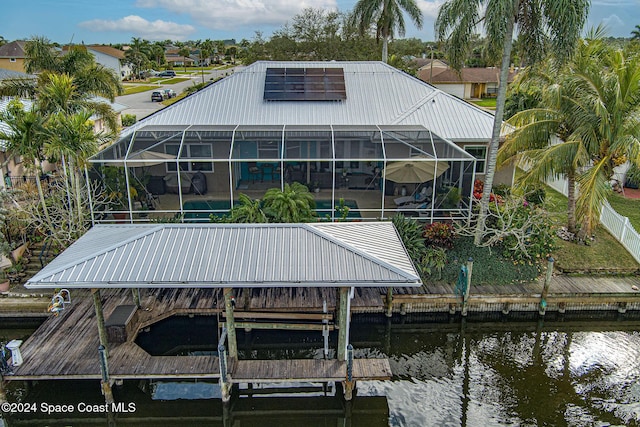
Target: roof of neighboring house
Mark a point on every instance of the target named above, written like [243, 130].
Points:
[376, 94]
[15, 49]
[107, 50]
[14, 75]
[232, 255]
[467, 75]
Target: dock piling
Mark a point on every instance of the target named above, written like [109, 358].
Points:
[389, 302]
[349, 384]
[225, 386]
[230, 322]
[102, 330]
[465, 296]
[545, 290]
[136, 297]
[343, 323]
[104, 370]
[3, 394]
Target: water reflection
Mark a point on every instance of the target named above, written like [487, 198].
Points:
[447, 373]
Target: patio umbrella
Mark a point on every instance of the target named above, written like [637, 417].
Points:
[415, 171]
[143, 158]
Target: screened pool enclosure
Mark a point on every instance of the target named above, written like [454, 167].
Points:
[191, 172]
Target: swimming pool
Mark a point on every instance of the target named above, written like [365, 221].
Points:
[220, 207]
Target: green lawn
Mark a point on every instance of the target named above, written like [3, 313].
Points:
[627, 207]
[486, 103]
[582, 258]
[128, 90]
[174, 80]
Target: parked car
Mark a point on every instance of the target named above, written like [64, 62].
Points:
[167, 73]
[156, 95]
[169, 93]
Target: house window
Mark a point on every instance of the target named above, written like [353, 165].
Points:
[12, 59]
[191, 151]
[480, 153]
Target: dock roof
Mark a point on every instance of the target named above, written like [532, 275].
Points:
[232, 255]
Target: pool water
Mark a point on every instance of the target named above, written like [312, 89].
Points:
[220, 207]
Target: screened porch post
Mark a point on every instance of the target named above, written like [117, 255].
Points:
[184, 132]
[231, 165]
[282, 151]
[91, 212]
[333, 179]
[384, 165]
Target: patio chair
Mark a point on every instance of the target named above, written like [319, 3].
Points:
[423, 195]
[254, 172]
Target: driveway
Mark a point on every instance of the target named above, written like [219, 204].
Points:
[140, 104]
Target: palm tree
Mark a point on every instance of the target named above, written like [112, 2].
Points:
[387, 16]
[184, 52]
[635, 34]
[247, 211]
[590, 107]
[138, 54]
[293, 204]
[539, 23]
[607, 121]
[25, 138]
[72, 139]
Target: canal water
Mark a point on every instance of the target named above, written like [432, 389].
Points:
[447, 372]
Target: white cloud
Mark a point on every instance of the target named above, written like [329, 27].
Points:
[613, 21]
[430, 8]
[230, 14]
[156, 30]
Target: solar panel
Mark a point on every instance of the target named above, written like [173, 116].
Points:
[304, 84]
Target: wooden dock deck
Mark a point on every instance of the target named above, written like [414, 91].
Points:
[66, 346]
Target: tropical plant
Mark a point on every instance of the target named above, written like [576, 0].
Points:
[138, 54]
[434, 259]
[247, 211]
[410, 232]
[184, 52]
[635, 33]
[291, 205]
[592, 107]
[387, 16]
[438, 235]
[25, 137]
[539, 24]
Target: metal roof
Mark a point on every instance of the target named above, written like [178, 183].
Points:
[232, 255]
[377, 94]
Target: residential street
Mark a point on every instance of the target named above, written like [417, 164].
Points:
[140, 104]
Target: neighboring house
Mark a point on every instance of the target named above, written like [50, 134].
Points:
[340, 127]
[175, 60]
[111, 58]
[469, 83]
[12, 56]
[13, 166]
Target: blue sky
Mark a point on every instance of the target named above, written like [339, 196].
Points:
[117, 21]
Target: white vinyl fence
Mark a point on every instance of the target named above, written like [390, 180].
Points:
[619, 226]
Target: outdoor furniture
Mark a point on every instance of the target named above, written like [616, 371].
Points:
[423, 195]
[254, 171]
[171, 183]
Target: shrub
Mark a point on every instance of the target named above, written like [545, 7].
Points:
[128, 120]
[535, 195]
[502, 190]
[438, 235]
[410, 233]
[434, 259]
